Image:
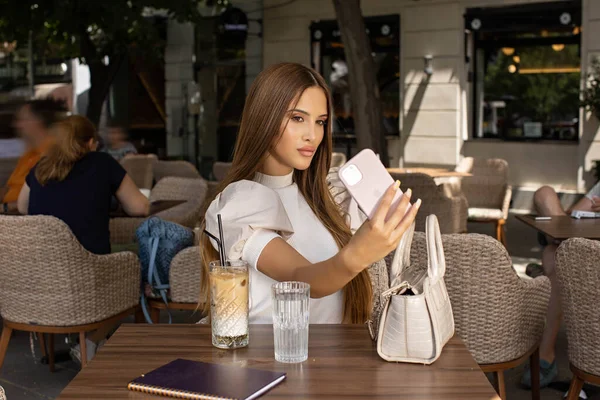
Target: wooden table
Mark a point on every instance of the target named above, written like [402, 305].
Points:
[432, 172]
[342, 363]
[155, 208]
[565, 227]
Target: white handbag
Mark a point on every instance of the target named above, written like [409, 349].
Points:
[416, 321]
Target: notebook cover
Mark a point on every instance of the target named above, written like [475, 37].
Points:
[198, 380]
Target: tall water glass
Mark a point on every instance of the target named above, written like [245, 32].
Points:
[229, 304]
[290, 321]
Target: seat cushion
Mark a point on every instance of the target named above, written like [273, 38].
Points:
[485, 213]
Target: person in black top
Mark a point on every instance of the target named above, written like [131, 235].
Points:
[75, 183]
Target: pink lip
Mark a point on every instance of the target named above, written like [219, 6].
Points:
[307, 151]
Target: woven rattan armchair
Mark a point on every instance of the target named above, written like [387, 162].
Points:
[220, 170]
[140, 167]
[193, 191]
[499, 316]
[179, 168]
[450, 211]
[579, 281]
[487, 191]
[7, 166]
[51, 284]
[184, 280]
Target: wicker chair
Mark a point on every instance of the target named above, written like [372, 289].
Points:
[338, 159]
[450, 211]
[499, 316]
[184, 279]
[140, 168]
[181, 169]
[7, 166]
[220, 170]
[487, 191]
[58, 287]
[579, 281]
[122, 230]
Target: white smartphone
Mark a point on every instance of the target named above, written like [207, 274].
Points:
[366, 179]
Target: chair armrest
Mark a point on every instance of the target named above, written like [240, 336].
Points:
[78, 288]
[460, 214]
[185, 276]
[114, 284]
[506, 201]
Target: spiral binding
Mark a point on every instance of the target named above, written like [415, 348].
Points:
[178, 394]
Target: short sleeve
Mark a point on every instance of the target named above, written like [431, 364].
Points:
[252, 215]
[595, 191]
[115, 172]
[349, 206]
[30, 179]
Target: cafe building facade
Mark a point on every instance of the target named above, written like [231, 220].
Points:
[463, 78]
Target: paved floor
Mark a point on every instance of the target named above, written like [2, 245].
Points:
[24, 379]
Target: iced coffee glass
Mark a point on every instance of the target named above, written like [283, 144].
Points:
[229, 304]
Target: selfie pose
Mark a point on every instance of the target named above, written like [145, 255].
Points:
[278, 213]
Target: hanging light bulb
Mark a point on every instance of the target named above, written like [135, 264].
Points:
[576, 30]
[517, 59]
[558, 47]
[508, 51]
[512, 68]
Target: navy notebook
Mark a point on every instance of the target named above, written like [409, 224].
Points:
[186, 379]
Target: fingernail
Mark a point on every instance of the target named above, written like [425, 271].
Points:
[409, 193]
[396, 185]
[418, 203]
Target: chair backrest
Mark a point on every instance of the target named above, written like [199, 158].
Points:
[338, 159]
[178, 168]
[37, 284]
[185, 276]
[488, 185]
[140, 167]
[7, 166]
[435, 201]
[578, 274]
[220, 170]
[485, 293]
[194, 191]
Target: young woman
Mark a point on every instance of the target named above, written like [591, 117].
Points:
[278, 213]
[75, 183]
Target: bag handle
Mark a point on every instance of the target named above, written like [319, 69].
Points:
[401, 256]
[436, 262]
[153, 277]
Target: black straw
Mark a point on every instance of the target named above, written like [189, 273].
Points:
[222, 247]
[216, 239]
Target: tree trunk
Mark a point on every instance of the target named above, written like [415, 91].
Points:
[364, 89]
[95, 96]
[101, 77]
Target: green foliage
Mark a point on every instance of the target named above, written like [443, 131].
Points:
[544, 97]
[89, 28]
[591, 94]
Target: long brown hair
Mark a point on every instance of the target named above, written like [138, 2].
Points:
[71, 142]
[270, 95]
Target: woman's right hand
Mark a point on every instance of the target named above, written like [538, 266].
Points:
[377, 237]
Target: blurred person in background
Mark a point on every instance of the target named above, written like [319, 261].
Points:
[116, 142]
[32, 123]
[75, 183]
